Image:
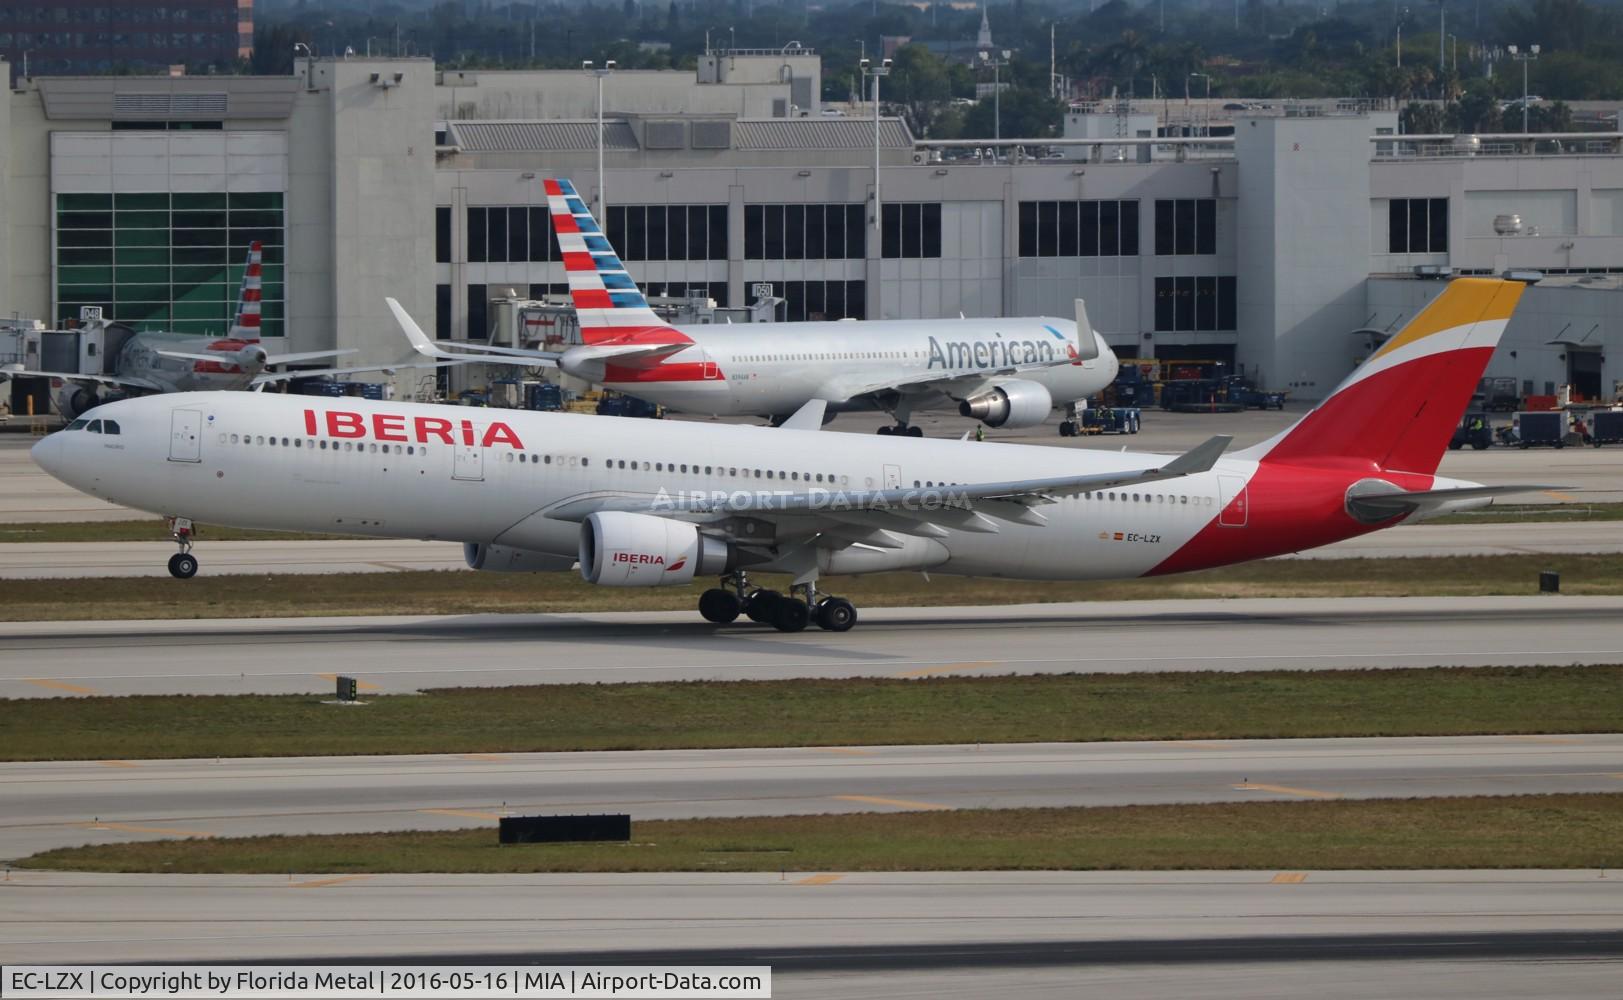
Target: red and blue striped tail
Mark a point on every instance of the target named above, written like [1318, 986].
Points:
[608, 304]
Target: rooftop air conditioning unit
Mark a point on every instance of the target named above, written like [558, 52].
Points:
[1432, 271]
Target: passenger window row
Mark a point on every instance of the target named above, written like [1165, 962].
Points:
[322, 444]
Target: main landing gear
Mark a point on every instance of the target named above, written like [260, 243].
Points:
[182, 565]
[801, 607]
[903, 429]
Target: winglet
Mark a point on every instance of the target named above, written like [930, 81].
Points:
[1087, 343]
[1200, 458]
[808, 418]
[419, 340]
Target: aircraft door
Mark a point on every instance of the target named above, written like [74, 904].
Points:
[470, 458]
[893, 477]
[1235, 503]
[186, 435]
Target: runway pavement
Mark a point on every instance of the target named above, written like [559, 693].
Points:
[62, 804]
[62, 560]
[410, 653]
[1496, 934]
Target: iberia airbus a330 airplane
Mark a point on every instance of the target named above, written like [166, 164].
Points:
[646, 504]
[1003, 372]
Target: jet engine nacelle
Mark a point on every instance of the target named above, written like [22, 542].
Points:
[1012, 404]
[620, 549]
[73, 400]
[506, 559]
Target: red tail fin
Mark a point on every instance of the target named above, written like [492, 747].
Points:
[1399, 409]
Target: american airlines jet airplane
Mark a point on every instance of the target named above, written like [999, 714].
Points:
[1003, 372]
[170, 362]
[647, 504]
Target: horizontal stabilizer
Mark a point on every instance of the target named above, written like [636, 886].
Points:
[1379, 506]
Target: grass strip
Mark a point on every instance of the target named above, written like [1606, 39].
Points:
[1526, 831]
[1440, 701]
[1521, 513]
[142, 530]
[451, 592]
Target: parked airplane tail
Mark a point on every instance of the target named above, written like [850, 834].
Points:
[246, 325]
[1398, 410]
[608, 304]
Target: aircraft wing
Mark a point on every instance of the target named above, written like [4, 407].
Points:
[954, 384]
[390, 369]
[290, 359]
[119, 380]
[926, 511]
[466, 353]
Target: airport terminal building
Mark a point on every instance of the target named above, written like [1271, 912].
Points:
[1290, 247]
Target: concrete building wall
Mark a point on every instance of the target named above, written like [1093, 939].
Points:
[1304, 215]
[381, 183]
[527, 94]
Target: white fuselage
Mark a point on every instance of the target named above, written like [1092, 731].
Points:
[772, 369]
[405, 470]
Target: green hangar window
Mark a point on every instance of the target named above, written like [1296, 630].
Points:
[1196, 304]
[1078, 229]
[162, 261]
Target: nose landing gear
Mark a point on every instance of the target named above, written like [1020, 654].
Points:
[182, 565]
[786, 613]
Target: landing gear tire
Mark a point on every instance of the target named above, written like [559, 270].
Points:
[884, 431]
[790, 614]
[1067, 428]
[836, 614]
[760, 604]
[183, 565]
[917, 432]
[719, 606]
[902, 430]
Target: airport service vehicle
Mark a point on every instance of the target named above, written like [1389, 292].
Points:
[159, 362]
[660, 503]
[1003, 372]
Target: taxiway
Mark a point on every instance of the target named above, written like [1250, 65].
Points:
[411, 653]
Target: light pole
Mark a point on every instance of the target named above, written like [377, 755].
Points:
[883, 69]
[601, 74]
[1442, 40]
[1208, 111]
[862, 60]
[1524, 58]
[997, 90]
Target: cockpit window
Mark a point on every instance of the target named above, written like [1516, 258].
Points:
[77, 425]
[95, 427]
[109, 427]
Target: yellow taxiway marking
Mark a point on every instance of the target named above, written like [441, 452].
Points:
[60, 685]
[850, 750]
[322, 883]
[492, 757]
[1289, 878]
[1547, 739]
[1559, 495]
[819, 880]
[1306, 793]
[131, 828]
[117, 763]
[898, 803]
[469, 813]
[948, 668]
[359, 685]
